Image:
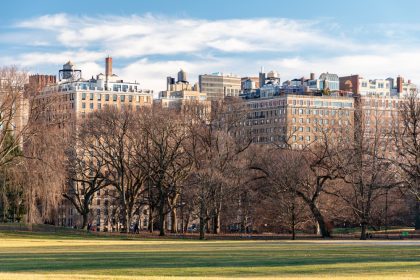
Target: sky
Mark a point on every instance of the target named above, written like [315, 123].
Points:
[150, 40]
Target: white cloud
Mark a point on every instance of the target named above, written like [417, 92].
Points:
[147, 35]
[148, 48]
[47, 22]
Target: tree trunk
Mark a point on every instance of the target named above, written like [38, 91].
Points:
[208, 226]
[161, 219]
[202, 220]
[186, 222]
[151, 220]
[216, 223]
[417, 215]
[363, 231]
[85, 221]
[325, 233]
[293, 221]
[127, 221]
[174, 221]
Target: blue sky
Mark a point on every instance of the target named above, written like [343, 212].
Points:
[150, 40]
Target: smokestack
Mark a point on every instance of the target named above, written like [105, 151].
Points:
[312, 76]
[108, 66]
[399, 84]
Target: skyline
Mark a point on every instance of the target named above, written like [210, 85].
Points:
[152, 40]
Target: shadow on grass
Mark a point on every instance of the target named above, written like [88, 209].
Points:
[194, 259]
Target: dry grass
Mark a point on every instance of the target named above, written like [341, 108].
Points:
[40, 256]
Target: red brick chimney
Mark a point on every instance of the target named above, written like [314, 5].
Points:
[108, 66]
[312, 76]
[400, 81]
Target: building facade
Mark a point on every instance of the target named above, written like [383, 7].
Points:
[377, 87]
[179, 93]
[296, 120]
[72, 99]
[217, 86]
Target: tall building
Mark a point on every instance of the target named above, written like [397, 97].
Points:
[296, 119]
[326, 81]
[74, 97]
[180, 93]
[248, 83]
[378, 87]
[217, 86]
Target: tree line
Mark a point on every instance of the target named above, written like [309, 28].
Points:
[199, 166]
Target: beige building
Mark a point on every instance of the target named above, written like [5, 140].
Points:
[73, 98]
[297, 120]
[180, 93]
[218, 86]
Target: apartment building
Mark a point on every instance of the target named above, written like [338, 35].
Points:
[73, 98]
[218, 85]
[180, 93]
[297, 120]
[377, 87]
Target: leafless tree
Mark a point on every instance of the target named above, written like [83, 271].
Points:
[165, 159]
[406, 136]
[87, 171]
[367, 174]
[216, 145]
[114, 137]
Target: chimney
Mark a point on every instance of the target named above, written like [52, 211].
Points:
[400, 81]
[108, 66]
[312, 76]
[409, 81]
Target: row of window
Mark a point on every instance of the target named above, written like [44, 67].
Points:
[321, 121]
[321, 112]
[122, 97]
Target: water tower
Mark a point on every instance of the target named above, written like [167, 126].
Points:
[69, 72]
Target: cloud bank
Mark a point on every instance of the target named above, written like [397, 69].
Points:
[148, 48]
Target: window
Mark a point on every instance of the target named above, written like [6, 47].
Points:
[91, 106]
[83, 95]
[106, 97]
[130, 98]
[83, 105]
[91, 96]
[114, 97]
[99, 96]
[122, 98]
[99, 106]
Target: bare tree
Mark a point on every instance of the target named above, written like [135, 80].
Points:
[114, 135]
[367, 174]
[406, 136]
[165, 159]
[284, 173]
[86, 170]
[216, 144]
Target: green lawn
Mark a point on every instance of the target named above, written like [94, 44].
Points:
[41, 256]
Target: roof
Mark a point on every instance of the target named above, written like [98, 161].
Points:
[329, 77]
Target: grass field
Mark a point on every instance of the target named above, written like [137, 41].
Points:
[43, 256]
